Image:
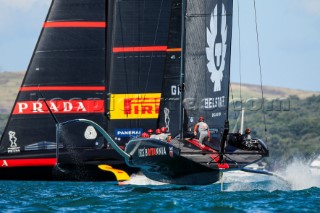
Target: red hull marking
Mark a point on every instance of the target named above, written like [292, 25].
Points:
[63, 88]
[28, 162]
[75, 24]
[214, 156]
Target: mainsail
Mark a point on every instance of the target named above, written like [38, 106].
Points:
[66, 79]
[205, 67]
[138, 47]
[207, 62]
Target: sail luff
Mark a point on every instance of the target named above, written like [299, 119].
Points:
[170, 106]
[182, 68]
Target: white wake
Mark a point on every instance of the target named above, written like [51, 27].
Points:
[141, 180]
[297, 175]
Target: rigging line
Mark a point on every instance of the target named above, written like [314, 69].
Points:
[154, 42]
[124, 58]
[233, 103]
[239, 34]
[141, 36]
[257, 33]
[240, 76]
[124, 54]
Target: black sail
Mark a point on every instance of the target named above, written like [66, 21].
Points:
[170, 102]
[208, 25]
[67, 73]
[138, 38]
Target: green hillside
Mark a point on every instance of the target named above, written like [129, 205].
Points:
[9, 87]
[290, 116]
[292, 130]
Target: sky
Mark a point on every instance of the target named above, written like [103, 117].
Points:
[288, 31]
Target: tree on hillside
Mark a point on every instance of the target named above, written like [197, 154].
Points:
[290, 132]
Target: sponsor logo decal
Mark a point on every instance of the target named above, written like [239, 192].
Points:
[4, 163]
[135, 106]
[148, 152]
[175, 90]
[90, 133]
[13, 140]
[59, 106]
[213, 103]
[216, 52]
[126, 133]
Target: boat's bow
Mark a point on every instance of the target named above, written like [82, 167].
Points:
[164, 162]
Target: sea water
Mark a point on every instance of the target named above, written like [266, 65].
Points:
[295, 190]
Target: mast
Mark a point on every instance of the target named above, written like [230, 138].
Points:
[181, 86]
[242, 119]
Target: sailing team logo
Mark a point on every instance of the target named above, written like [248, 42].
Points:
[216, 51]
[135, 106]
[13, 140]
[90, 133]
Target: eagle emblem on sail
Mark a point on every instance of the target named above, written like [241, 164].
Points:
[217, 48]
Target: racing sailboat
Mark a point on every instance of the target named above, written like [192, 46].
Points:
[197, 85]
[204, 81]
[98, 60]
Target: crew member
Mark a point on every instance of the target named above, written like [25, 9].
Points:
[203, 129]
[150, 131]
[157, 135]
[246, 136]
[145, 135]
[163, 136]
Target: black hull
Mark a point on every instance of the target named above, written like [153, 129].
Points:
[80, 166]
[163, 162]
[186, 162]
[61, 173]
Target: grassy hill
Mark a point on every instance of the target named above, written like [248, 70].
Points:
[11, 81]
[254, 91]
[9, 87]
[290, 116]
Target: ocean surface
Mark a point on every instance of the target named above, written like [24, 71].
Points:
[297, 190]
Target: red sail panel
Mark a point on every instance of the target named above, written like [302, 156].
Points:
[84, 24]
[63, 88]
